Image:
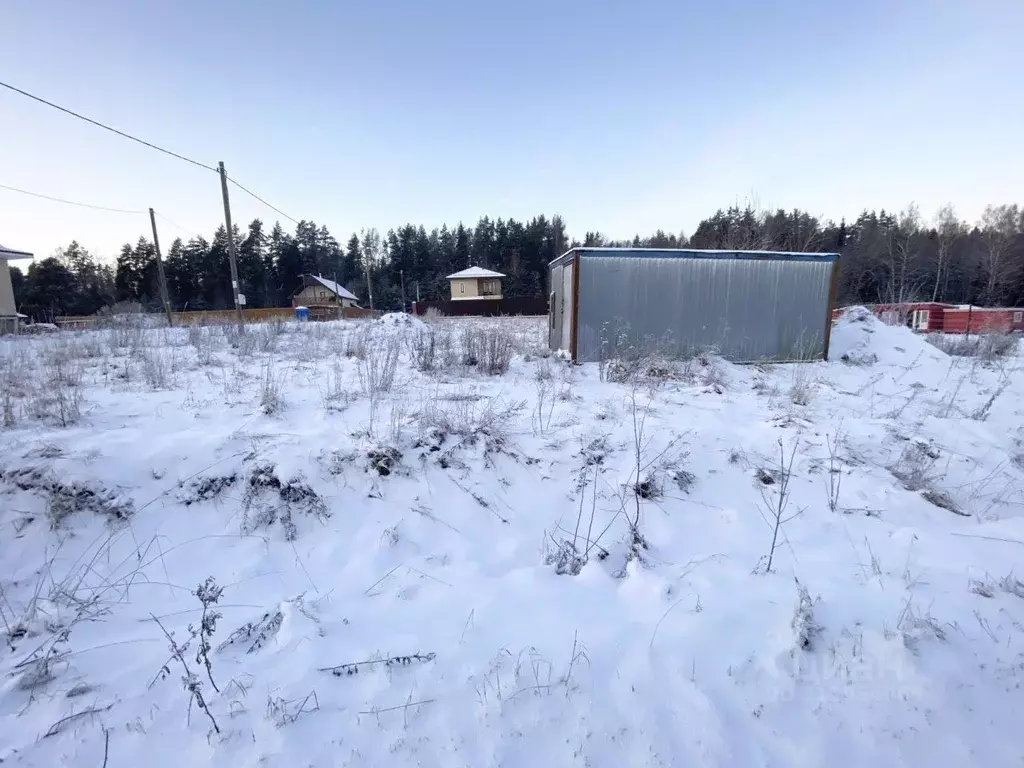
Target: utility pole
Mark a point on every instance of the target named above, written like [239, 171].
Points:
[160, 272]
[401, 274]
[231, 245]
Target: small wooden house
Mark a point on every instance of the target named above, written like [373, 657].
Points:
[475, 283]
[319, 292]
[9, 317]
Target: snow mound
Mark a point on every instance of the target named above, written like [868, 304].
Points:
[401, 320]
[860, 338]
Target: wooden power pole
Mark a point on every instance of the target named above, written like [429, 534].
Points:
[231, 246]
[164, 297]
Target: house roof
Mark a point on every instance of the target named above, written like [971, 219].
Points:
[337, 289]
[474, 272]
[10, 253]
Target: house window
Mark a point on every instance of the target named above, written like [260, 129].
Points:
[462, 287]
[1018, 317]
[920, 319]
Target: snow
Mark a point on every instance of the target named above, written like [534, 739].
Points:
[475, 272]
[859, 335]
[401, 320]
[418, 617]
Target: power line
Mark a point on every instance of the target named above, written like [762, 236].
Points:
[144, 143]
[253, 194]
[68, 202]
[107, 127]
[177, 226]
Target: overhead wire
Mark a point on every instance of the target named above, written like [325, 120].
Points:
[69, 202]
[144, 143]
[98, 207]
[106, 127]
[257, 197]
[176, 226]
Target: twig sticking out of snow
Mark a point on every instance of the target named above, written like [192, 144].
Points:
[189, 680]
[804, 626]
[379, 710]
[353, 667]
[776, 516]
[256, 631]
[56, 727]
[283, 712]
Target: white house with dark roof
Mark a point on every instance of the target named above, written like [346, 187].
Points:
[9, 317]
[475, 283]
[318, 291]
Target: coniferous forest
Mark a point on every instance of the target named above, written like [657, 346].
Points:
[886, 257]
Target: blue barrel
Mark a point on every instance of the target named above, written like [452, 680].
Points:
[302, 313]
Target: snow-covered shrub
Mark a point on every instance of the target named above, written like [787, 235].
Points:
[271, 390]
[245, 341]
[986, 346]
[58, 398]
[805, 628]
[915, 467]
[488, 349]
[801, 391]
[423, 345]
[466, 414]
[156, 368]
[618, 370]
[379, 363]
[1012, 585]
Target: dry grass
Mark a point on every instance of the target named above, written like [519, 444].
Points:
[984, 346]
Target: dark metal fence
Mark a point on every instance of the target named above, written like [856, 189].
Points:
[530, 305]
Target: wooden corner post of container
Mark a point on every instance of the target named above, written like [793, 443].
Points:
[574, 329]
[833, 295]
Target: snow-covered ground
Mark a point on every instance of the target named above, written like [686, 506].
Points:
[463, 567]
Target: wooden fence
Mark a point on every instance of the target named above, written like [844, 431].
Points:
[484, 307]
[223, 316]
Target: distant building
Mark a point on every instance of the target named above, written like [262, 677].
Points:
[475, 283]
[9, 317]
[935, 317]
[746, 305]
[319, 292]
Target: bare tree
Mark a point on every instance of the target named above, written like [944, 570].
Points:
[948, 228]
[999, 226]
[900, 257]
[371, 257]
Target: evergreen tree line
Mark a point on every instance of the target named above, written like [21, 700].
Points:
[885, 257]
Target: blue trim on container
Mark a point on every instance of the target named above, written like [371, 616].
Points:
[655, 253]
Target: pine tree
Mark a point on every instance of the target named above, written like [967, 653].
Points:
[288, 269]
[462, 252]
[252, 275]
[48, 290]
[353, 276]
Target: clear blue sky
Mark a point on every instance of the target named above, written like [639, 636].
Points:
[621, 116]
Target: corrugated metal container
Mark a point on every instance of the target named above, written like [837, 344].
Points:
[747, 305]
